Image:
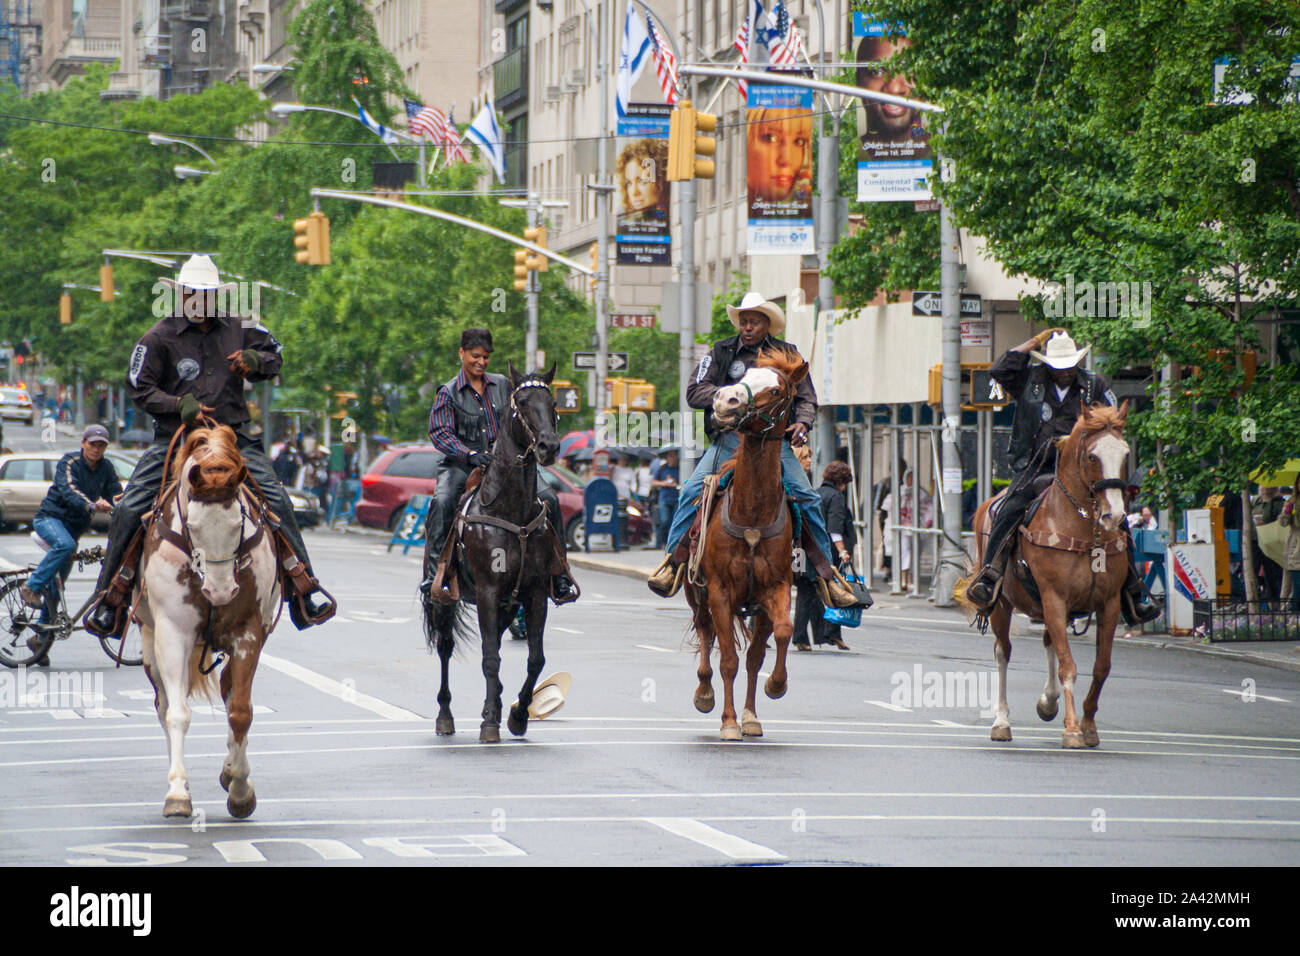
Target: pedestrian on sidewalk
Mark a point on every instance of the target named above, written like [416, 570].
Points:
[667, 481]
[1292, 551]
[833, 492]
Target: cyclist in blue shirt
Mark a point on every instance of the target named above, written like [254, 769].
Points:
[84, 483]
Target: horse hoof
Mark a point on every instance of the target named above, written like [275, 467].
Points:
[489, 734]
[1001, 733]
[730, 732]
[775, 691]
[1046, 711]
[241, 809]
[178, 807]
[751, 728]
[225, 779]
[704, 701]
[1072, 741]
[1090, 737]
[445, 726]
[517, 727]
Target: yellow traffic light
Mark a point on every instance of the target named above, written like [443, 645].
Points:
[684, 142]
[65, 309]
[595, 261]
[311, 237]
[537, 236]
[521, 270]
[106, 283]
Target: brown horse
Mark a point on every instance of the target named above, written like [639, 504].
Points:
[746, 551]
[1074, 549]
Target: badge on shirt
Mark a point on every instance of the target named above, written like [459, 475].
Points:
[736, 370]
[1046, 412]
[704, 367]
[137, 365]
[187, 370]
[1110, 397]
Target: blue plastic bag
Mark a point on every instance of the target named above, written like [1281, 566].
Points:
[845, 616]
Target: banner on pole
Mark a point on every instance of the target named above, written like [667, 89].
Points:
[894, 156]
[779, 134]
[642, 175]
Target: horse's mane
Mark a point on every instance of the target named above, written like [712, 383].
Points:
[783, 361]
[1096, 418]
[220, 467]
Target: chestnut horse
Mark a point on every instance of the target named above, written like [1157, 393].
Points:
[209, 581]
[1074, 549]
[746, 557]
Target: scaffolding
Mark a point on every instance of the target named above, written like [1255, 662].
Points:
[20, 42]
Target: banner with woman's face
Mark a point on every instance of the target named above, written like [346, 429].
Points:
[778, 150]
[641, 177]
[894, 158]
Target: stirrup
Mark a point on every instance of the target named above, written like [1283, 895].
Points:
[669, 588]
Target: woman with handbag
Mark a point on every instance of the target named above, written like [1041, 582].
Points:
[844, 537]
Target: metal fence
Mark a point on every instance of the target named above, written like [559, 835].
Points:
[1233, 621]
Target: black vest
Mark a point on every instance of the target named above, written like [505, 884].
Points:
[1028, 420]
[724, 353]
[471, 425]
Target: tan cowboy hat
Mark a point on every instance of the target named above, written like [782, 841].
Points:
[1060, 352]
[754, 302]
[200, 273]
[548, 696]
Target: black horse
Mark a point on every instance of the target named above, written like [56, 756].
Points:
[505, 556]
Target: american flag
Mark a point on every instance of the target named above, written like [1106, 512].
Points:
[742, 44]
[430, 121]
[783, 41]
[665, 63]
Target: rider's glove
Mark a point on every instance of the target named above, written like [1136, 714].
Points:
[189, 409]
[480, 459]
[252, 361]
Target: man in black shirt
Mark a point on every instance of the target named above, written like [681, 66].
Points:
[1049, 399]
[195, 361]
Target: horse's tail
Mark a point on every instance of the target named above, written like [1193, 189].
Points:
[447, 623]
[200, 684]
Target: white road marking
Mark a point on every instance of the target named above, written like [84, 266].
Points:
[1251, 697]
[897, 708]
[566, 630]
[651, 647]
[947, 723]
[335, 689]
[372, 618]
[715, 839]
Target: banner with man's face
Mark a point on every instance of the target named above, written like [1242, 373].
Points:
[641, 174]
[894, 157]
[778, 150]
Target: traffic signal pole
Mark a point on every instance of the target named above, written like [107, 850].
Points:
[530, 297]
[952, 553]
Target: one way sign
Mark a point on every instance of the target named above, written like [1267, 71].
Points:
[617, 361]
[931, 303]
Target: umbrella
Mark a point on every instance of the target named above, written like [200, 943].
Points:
[575, 440]
[582, 454]
[1284, 477]
[644, 452]
[136, 435]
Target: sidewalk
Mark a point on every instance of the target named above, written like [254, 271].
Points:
[639, 562]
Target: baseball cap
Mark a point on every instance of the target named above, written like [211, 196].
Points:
[95, 433]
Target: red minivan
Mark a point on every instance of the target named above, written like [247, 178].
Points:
[406, 470]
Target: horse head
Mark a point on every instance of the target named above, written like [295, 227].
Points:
[533, 417]
[760, 402]
[1098, 450]
[211, 470]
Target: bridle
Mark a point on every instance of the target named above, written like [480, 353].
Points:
[1095, 489]
[516, 414]
[198, 561]
[773, 416]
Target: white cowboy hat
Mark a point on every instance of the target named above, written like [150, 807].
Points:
[198, 272]
[754, 302]
[1060, 351]
[548, 696]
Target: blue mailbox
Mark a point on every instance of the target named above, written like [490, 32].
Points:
[599, 511]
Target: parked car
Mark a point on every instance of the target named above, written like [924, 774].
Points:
[16, 403]
[406, 470]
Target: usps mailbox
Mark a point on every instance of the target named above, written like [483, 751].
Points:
[599, 511]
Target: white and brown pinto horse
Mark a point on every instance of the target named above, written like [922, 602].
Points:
[1075, 549]
[209, 582]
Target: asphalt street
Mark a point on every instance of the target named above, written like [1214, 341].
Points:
[860, 762]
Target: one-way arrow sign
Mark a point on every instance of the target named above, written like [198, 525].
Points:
[931, 303]
[587, 360]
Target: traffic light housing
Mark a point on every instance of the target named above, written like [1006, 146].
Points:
[684, 143]
[537, 236]
[521, 270]
[65, 314]
[106, 283]
[311, 237]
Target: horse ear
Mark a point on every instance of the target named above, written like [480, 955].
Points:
[799, 374]
[550, 374]
[514, 374]
[1123, 412]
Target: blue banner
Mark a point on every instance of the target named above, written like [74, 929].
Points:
[779, 133]
[641, 173]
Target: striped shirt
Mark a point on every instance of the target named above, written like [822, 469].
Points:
[442, 419]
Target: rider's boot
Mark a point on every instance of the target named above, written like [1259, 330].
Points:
[666, 580]
[309, 603]
[982, 591]
[107, 616]
[1136, 603]
[563, 588]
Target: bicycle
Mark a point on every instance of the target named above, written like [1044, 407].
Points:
[25, 640]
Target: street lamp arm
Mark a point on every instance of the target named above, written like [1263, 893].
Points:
[317, 193]
[757, 76]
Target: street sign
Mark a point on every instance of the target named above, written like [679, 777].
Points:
[976, 333]
[617, 361]
[568, 398]
[931, 303]
[628, 320]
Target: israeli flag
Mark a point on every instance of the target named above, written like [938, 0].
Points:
[486, 134]
[376, 127]
[632, 55]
